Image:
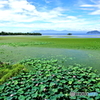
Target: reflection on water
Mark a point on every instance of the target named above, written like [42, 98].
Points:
[65, 56]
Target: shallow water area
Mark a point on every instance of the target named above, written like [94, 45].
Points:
[65, 56]
[75, 36]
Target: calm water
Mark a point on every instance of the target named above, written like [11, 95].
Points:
[57, 36]
[75, 36]
[65, 56]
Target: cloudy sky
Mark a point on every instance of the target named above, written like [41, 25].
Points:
[30, 15]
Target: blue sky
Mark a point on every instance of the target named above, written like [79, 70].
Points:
[31, 15]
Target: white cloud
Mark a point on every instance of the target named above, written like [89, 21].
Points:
[88, 5]
[97, 12]
[72, 17]
[20, 5]
[23, 11]
[95, 1]
[18, 10]
[94, 7]
[3, 3]
[68, 22]
[21, 15]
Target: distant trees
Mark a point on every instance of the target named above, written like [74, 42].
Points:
[18, 33]
[69, 34]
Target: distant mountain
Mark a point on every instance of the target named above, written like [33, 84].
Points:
[52, 32]
[56, 32]
[93, 32]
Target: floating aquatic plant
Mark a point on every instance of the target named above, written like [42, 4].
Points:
[51, 82]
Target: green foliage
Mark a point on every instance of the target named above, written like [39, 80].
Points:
[7, 71]
[26, 44]
[11, 33]
[69, 34]
[50, 81]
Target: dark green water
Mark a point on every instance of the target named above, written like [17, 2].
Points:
[65, 56]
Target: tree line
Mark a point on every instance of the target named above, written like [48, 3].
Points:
[18, 33]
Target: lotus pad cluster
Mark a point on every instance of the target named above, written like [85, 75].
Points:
[49, 81]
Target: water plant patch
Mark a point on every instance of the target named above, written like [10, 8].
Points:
[50, 81]
[7, 70]
[43, 41]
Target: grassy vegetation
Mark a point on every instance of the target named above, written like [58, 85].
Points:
[42, 41]
[7, 71]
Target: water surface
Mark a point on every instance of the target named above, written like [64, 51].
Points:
[65, 56]
[75, 36]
